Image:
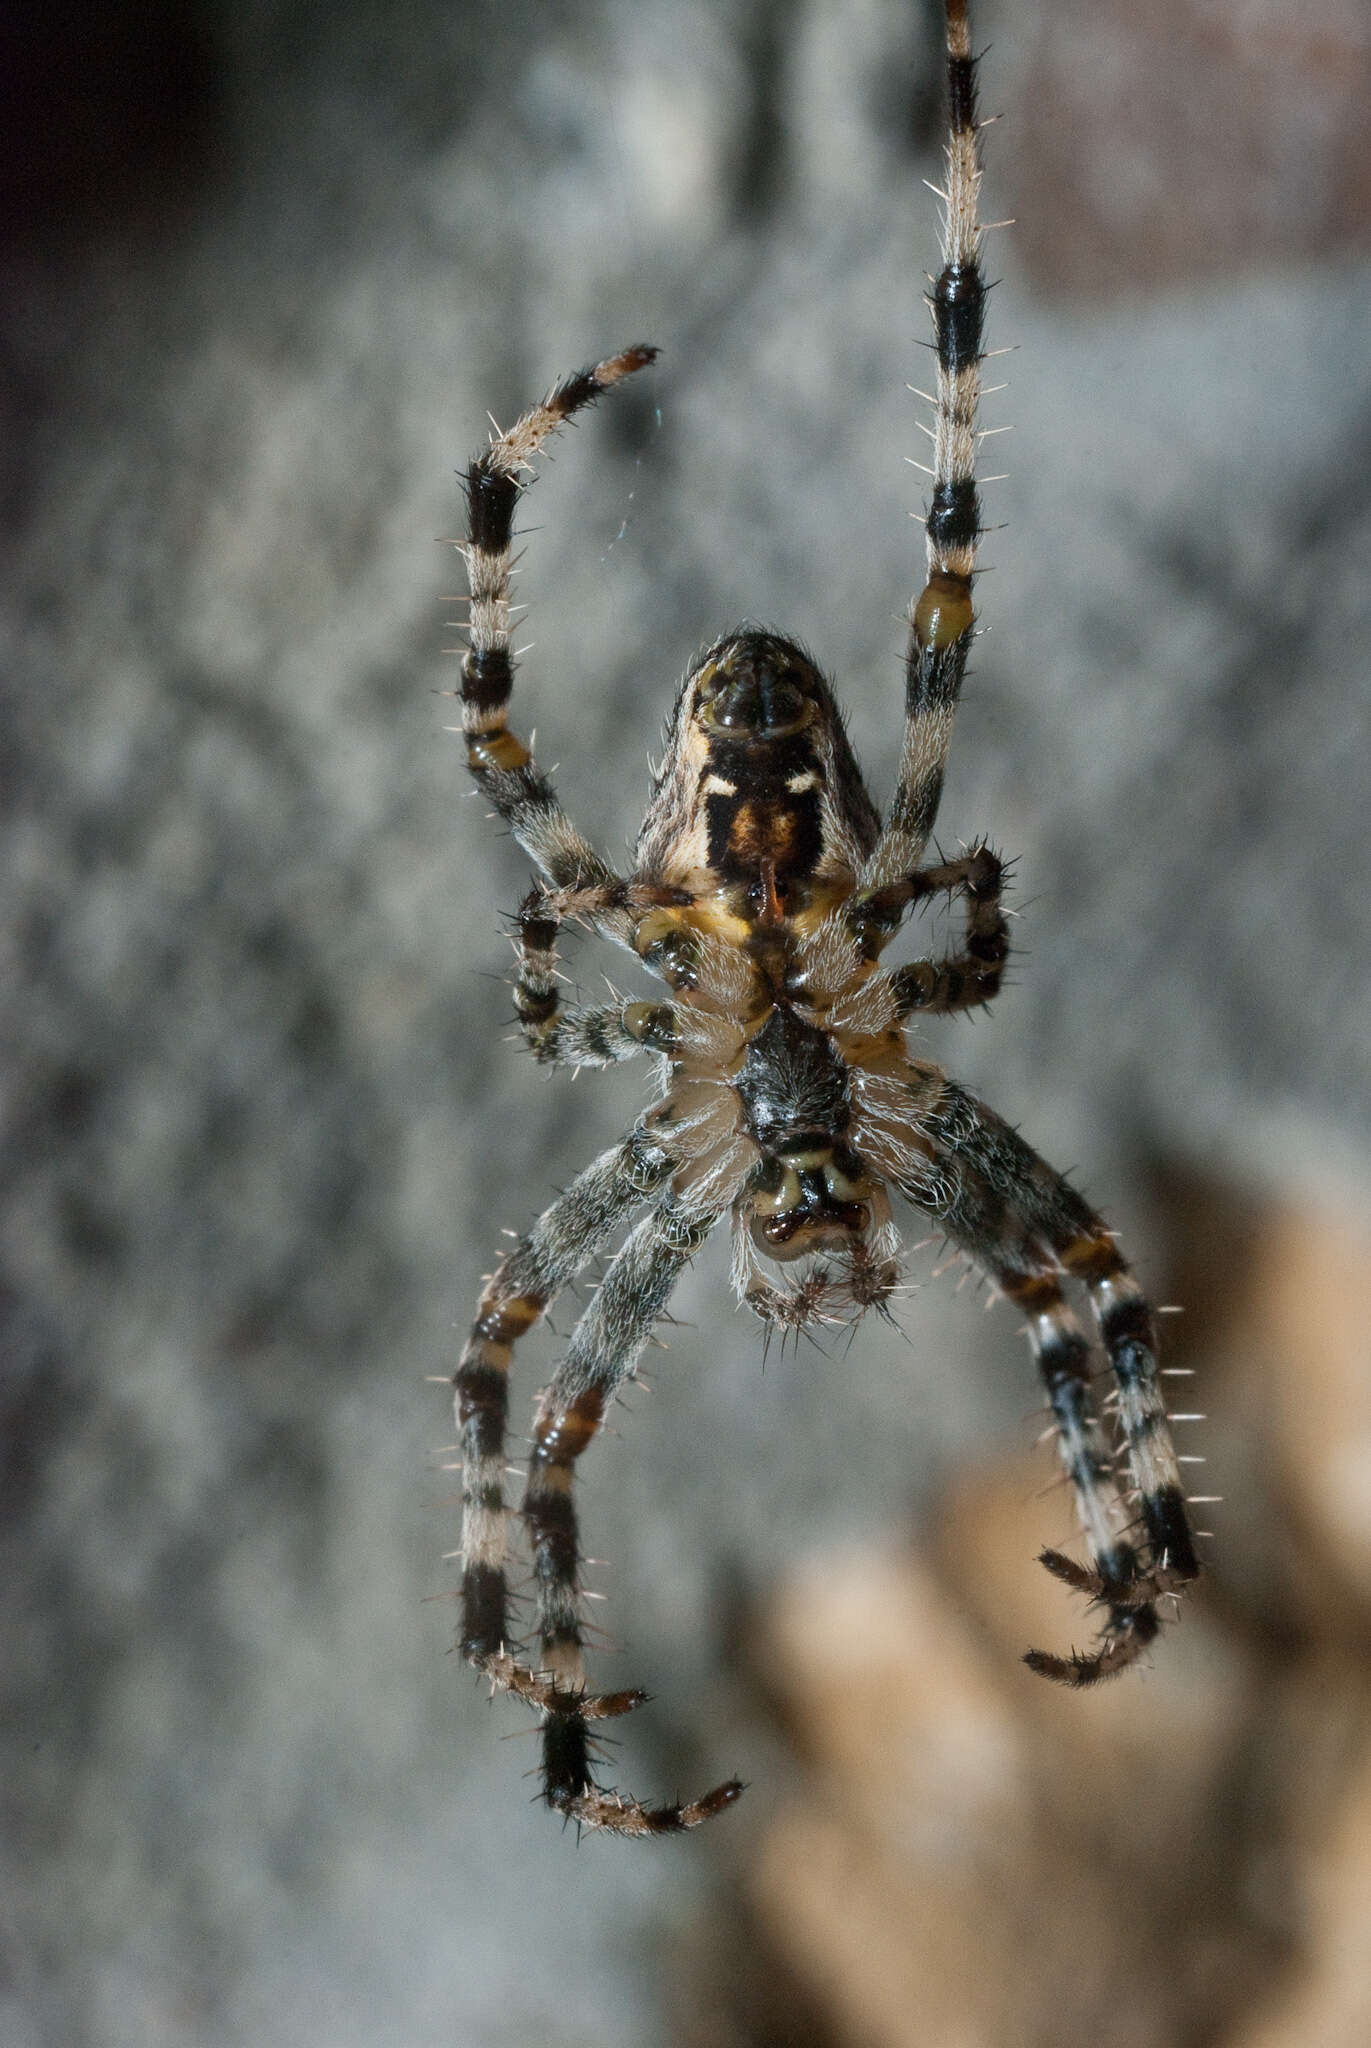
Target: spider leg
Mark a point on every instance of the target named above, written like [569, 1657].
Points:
[545, 1259]
[603, 1350]
[502, 765]
[985, 1223]
[1086, 1249]
[965, 979]
[942, 622]
[577, 1037]
[603, 1036]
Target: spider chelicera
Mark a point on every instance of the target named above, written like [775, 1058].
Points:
[764, 890]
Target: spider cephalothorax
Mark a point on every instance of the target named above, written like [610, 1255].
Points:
[764, 890]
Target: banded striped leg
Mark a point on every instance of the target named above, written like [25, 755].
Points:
[567, 1233]
[942, 623]
[963, 980]
[1083, 1248]
[502, 765]
[1086, 1249]
[579, 1037]
[985, 1222]
[604, 1348]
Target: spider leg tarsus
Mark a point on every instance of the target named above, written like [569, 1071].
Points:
[1078, 1672]
[610, 1813]
[540, 1689]
[1120, 1597]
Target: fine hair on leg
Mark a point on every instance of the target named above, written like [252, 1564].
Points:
[603, 1350]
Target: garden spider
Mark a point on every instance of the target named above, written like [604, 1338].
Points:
[764, 891]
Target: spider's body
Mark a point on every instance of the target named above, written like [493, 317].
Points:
[764, 890]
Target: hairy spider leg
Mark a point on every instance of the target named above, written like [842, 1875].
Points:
[942, 622]
[1087, 1250]
[964, 980]
[517, 1294]
[983, 1220]
[598, 1037]
[602, 1353]
[971, 977]
[502, 765]
[1046, 1204]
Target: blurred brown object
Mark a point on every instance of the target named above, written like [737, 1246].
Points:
[1311, 1324]
[1192, 137]
[1328, 2000]
[979, 1858]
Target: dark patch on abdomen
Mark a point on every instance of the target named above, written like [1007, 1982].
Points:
[763, 820]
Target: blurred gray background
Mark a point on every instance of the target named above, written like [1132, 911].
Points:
[266, 269]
